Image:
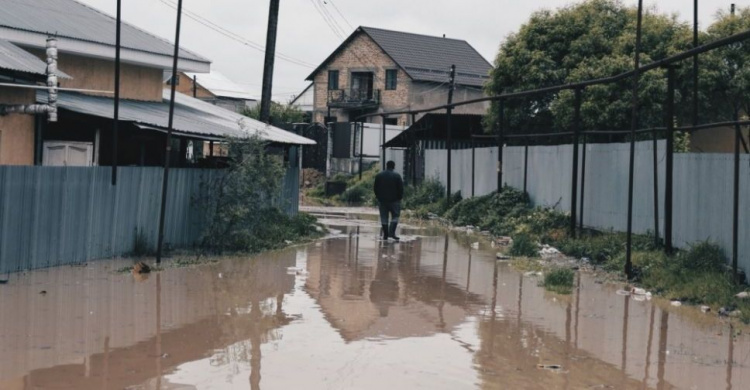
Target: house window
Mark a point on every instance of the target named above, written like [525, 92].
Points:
[391, 121]
[333, 80]
[169, 82]
[391, 75]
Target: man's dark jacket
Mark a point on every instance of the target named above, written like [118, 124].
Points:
[389, 187]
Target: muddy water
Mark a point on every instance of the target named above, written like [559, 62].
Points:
[425, 313]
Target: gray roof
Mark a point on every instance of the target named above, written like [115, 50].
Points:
[71, 19]
[192, 116]
[426, 58]
[14, 58]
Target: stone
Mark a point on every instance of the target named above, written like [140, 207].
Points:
[676, 303]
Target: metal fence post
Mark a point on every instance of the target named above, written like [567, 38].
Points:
[633, 126]
[500, 141]
[361, 147]
[473, 162]
[525, 164]
[414, 152]
[656, 190]
[574, 180]
[583, 183]
[668, 189]
[736, 205]
[382, 146]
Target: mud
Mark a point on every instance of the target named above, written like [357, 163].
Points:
[429, 312]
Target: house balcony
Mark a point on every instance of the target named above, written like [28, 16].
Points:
[353, 99]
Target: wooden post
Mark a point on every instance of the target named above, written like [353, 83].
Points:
[448, 140]
[116, 119]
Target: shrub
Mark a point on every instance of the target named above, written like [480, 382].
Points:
[524, 245]
[429, 192]
[559, 280]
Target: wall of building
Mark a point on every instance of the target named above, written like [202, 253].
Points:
[185, 86]
[424, 95]
[361, 55]
[137, 82]
[719, 140]
[16, 131]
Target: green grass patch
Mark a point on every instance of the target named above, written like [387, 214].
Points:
[524, 246]
[559, 280]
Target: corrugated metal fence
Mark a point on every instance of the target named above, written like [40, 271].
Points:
[702, 187]
[53, 216]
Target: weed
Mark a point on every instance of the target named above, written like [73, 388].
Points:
[559, 280]
[142, 245]
[525, 264]
[524, 245]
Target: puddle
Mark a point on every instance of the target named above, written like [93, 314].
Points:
[351, 312]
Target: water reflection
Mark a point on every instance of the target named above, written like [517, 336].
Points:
[429, 311]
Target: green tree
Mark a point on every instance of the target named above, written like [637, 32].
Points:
[280, 113]
[725, 72]
[588, 40]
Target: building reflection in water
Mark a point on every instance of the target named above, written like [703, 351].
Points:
[99, 330]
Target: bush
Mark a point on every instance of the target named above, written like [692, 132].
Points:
[599, 248]
[524, 245]
[427, 193]
[559, 280]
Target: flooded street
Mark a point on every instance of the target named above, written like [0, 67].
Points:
[356, 314]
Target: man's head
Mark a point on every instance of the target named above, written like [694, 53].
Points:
[390, 165]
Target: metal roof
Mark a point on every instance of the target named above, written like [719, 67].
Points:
[191, 116]
[14, 58]
[434, 126]
[74, 20]
[424, 57]
[220, 85]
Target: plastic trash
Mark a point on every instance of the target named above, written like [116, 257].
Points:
[705, 309]
[475, 245]
[743, 295]
[676, 303]
[638, 291]
[622, 292]
[501, 256]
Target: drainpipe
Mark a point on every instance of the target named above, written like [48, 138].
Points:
[51, 107]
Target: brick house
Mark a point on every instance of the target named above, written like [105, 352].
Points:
[376, 70]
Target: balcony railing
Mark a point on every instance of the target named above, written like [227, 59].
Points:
[355, 98]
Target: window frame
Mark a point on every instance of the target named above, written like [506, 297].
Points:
[338, 75]
[394, 80]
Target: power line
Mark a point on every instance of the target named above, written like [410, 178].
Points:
[339, 12]
[326, 20]
[236, 37]
[330, 17]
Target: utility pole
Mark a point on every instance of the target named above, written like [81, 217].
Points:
[195, 86]
[448, 141]
[170, 125]
[115, 123]
[273, 24]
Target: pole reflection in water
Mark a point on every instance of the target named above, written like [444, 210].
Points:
[661, 369]
[648, 347]
[432, 307]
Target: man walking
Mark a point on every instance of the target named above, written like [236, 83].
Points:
[389, 190]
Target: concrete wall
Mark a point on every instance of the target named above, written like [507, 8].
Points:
[17, 131]
[703, 184]
[137, 82]
[425, 95]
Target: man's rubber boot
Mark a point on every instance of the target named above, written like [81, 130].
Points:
[384, 229]
[393, 231]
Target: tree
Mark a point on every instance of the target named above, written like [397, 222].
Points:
[725, 72]
[588, 40]
[280, 113]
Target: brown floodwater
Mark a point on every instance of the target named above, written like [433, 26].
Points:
[428, 312]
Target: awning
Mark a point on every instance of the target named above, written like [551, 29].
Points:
[14, 58]
[192, 117]
[435, 127]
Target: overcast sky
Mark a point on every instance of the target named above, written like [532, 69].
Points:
[305, 37]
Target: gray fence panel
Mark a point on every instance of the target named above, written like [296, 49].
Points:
[52, 216]
[702, 187]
